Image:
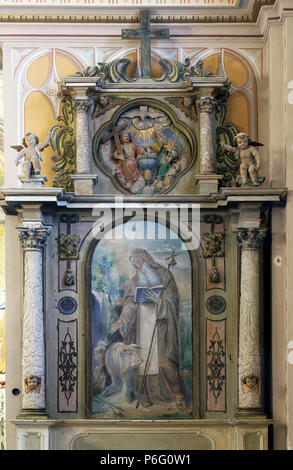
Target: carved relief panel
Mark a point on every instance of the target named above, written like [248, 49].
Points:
[144, 148]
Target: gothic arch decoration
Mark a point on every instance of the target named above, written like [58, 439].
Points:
[240, 112]
[242, 74]
[39, 71]
[106, 302]
[161, 148]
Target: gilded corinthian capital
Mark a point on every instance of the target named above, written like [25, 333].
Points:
[81, 106]
[251, 239]
[206, 105]
[33, 238]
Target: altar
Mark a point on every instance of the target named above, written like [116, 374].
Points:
[143, 266]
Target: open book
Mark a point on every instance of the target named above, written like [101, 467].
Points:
[140, 293]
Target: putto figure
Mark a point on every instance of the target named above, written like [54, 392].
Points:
[32, 383]
[249, 156]
[30, 156]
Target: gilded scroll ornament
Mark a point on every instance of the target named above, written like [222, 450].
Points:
[175, 71]
[113, 72]
[63, 144]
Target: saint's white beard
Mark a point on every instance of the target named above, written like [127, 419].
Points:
[148, 276]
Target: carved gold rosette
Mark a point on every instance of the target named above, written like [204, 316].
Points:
[249, 361]
[33, 353]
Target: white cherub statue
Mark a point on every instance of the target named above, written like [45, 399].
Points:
[249, 157]
[29, 156]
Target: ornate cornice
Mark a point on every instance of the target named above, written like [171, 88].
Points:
[47, 17]
[33, 238]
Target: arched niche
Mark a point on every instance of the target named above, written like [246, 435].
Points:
[110, 290]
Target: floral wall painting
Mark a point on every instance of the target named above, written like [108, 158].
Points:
[144, 150]
[141, 323]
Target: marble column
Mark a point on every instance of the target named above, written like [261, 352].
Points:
[207, 179]
[81, 109]
[33, 348]
[206, 108]
[249, 360]
[83, 179]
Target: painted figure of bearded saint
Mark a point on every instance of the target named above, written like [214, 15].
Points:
[136, 325]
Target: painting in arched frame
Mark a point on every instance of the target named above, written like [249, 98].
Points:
[141, 325]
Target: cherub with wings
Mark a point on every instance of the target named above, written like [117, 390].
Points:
[249, 157]
[104, 103]
[29, 156]
[185, 104]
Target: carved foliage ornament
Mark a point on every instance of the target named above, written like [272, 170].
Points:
[173, 71]
[63, 143]
[227, 162]
[212, 245]
[251, 239]
[176, 71]
[206, 105]
[112, 72]
[68, 246]
[33, 238]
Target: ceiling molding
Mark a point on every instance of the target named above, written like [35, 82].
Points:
[213, 15]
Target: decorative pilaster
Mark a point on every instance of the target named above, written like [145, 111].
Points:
[207, 179]
[249, 361]
[83, 179]
[33, 353]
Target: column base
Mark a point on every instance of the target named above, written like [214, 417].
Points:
[208, 183]
[40, 413]
[251, 413]
[83, 183]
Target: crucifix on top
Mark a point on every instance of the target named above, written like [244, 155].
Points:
[145, 34]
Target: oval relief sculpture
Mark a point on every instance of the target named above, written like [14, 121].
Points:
[144, 150]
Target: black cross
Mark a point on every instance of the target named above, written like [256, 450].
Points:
[145, 34]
